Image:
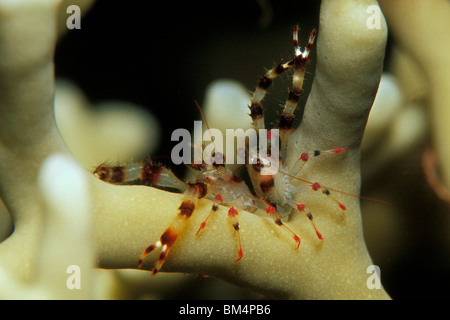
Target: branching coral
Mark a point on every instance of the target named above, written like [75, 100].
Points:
[419, 122]
[433, 63]
[127, 219]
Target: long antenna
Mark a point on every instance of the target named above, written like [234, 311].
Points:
[335, 190]
[207, 125]
[201, 112]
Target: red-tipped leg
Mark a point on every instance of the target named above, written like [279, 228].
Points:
[316, 186]
[301, 207]
[271, 210]
[306, 155]
[217, 200]
[233, 215]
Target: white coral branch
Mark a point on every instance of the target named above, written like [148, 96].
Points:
[127, 219]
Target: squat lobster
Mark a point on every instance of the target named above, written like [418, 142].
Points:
[272, 193]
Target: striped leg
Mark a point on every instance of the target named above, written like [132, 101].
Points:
[217, 200]
[233, 214]
[256, 108]
[175, 228]
[302, 208]
[146, 173]
[287, 116]
[305, 156]
[325, 190]
[271, 210]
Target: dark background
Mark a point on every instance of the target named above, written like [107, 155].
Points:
[162, 55]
